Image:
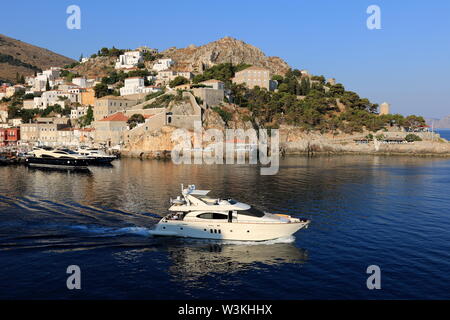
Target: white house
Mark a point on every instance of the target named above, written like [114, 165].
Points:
[129, 59]
[78, 112]
[133, 85]
[136, 85]
[163, 64]
[81, 82]
[52, 97]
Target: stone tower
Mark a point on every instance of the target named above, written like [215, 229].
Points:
[385, 108]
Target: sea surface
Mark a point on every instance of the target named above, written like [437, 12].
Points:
[393, 212]
[445, 133]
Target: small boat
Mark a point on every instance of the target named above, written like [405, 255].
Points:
[96, 156]
[56, 159]
[5, 161]
[194, 215]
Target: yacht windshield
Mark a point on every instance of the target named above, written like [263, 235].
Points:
[252, 212]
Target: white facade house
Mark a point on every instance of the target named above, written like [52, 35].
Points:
[81, 82]
[129, 59]
[52, 97]
[40, 81]
[136, 85]
[132, 86]
[78, 112]
[163, 64]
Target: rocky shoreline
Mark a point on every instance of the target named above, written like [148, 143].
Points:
[158, 145]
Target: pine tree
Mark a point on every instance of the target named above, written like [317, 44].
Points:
[47, 86]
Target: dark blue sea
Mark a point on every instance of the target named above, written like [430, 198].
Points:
[393, 212]
[444, 133]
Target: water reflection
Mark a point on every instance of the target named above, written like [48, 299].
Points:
[197, 259]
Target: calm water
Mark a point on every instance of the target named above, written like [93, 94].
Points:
[444, 134]
[389, 211]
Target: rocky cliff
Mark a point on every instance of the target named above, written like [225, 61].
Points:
[197, 59]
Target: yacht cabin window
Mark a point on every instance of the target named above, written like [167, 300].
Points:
[212, 215]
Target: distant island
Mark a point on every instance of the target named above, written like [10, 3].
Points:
[443, 123]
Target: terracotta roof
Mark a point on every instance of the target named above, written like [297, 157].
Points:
[119, 116]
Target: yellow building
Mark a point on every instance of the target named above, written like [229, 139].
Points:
[106, 106]
[87, 97]
[254, 76]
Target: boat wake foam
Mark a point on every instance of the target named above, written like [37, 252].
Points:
[111, 232]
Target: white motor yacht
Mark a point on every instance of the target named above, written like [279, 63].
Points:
[45, 157]
[96, 156]
[195, 215]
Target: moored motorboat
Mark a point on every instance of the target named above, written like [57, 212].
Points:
[96, 156]
[56, 159]
[194, 215]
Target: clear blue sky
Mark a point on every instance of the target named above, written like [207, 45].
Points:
[406, 63]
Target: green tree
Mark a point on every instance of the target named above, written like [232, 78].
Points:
[412, 137]
[178, 81]
[101, 90]
[135, 119]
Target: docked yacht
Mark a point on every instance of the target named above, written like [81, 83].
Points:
[56, 159]
[195, 215]
[96, 156]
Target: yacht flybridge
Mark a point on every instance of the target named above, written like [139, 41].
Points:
[195, 215]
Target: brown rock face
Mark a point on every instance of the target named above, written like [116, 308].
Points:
[96, 67]
[197, 59]
[27, 57]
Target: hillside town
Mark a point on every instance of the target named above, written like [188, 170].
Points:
[145, 92]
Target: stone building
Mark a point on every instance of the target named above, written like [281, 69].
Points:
[108, 105]
[255, 76]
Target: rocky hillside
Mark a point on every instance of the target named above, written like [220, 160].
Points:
[23, 58]
[197, 59]
[97, 67]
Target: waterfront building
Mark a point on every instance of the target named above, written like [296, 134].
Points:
[110, 130]
[41, 133]
[9, 136]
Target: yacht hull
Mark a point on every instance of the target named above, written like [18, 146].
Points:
[57, 163]
[228, 230]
